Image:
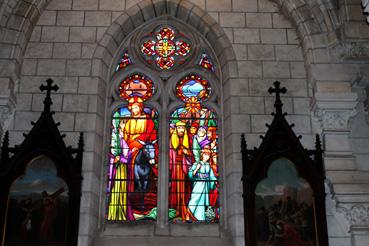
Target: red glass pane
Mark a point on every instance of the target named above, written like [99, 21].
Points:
[165, 33]
[124, 62]
[148, 48]
[136, 86]
[183, 48]
[165, 63]
[205, 62]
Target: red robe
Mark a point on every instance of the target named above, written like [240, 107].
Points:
[140, 128]
[179, 188]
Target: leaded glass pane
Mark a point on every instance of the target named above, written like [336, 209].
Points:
[133, 158]
[123, 62]
[164, 47]
[193, 152]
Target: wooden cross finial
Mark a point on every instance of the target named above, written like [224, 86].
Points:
[277, 90]
[48, 88]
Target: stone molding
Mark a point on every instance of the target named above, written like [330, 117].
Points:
[334, 111]
[356, 215]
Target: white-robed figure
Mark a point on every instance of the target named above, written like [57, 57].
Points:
[204, 180]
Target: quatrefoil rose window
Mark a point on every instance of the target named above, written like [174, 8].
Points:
[165, 48]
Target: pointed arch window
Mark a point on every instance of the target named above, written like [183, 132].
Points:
[193, 180]
[133, 157]
[164, 102]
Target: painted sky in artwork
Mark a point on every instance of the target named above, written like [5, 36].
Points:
[275, 184]
[40, 175]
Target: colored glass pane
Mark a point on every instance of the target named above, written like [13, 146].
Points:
[193, 166]
[193, 88]
[205, 62]
[124, 62]
[284, 205]
[148, 48]
[183, 48]
[136, 86]
[165, 48]
[165, 63]
[133, 163]
[165, 33]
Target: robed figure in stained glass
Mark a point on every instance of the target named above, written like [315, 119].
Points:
[138, 131]
[119, 207]
[180, 161]
[204, 180]
[133, 131]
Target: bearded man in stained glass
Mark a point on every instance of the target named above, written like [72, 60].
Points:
[140, 128]
[180, 161]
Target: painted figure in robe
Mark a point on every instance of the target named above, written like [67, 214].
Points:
[140, 128]
[179, 163]
[119, 170]
[200, 140]
[204, 181]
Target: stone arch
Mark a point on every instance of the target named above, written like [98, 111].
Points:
[315, 22]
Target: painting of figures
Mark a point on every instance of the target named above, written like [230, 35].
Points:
[284, 208]
[37, 207]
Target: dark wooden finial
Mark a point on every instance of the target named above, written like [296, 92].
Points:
[48, 88]
[277, 90]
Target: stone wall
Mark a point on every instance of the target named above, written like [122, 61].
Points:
[316, 50]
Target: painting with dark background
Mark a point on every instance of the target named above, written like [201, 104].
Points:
[38, 202]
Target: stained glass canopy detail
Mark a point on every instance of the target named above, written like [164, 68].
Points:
[193, 88]
[164, 48]
[124, 61]
[206, 62]
[136, 86]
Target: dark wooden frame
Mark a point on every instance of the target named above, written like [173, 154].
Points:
[280, 141]
[43, 140]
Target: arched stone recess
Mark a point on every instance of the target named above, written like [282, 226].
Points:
[316, 23]
[190, 14]
[18, 18]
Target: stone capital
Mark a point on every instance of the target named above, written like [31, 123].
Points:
[334, 110]
[356, 215]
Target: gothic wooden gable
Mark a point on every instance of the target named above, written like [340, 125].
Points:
[269, 199]
[44, 140]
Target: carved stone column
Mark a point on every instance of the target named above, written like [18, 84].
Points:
[334, 110]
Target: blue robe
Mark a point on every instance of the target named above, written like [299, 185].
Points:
[203, 181]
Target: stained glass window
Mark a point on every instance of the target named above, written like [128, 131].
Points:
[165, 48]
[123, 62]
[193, 152]
[133, 158]
[205, 62]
